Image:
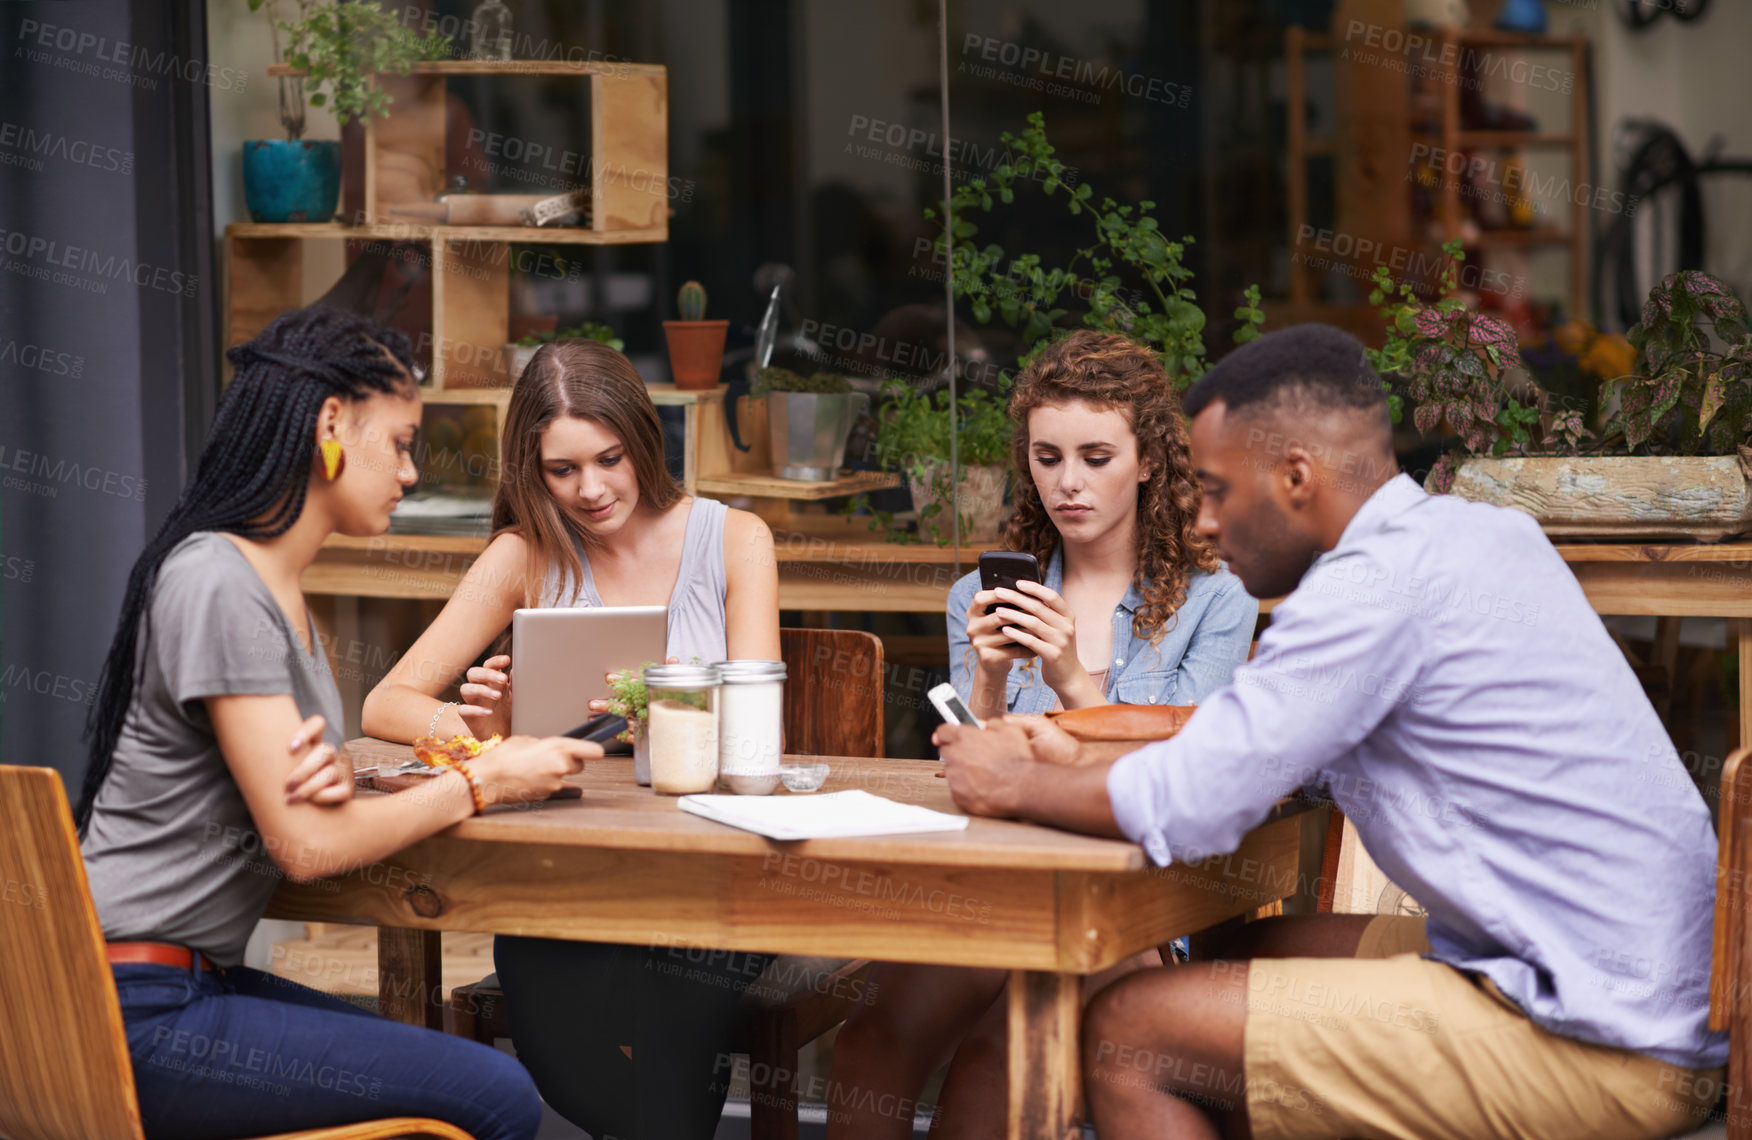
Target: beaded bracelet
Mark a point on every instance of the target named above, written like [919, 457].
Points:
[474, 786]
[432, 729]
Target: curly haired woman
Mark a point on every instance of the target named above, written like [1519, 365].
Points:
[1135, 608]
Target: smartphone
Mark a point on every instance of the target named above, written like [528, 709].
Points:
[1006, 568]
[599, 729]
[949, 703]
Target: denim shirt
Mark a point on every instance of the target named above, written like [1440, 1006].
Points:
[1206, 639]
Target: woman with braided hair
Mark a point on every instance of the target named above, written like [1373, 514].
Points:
[1135, 609]
[215, 769]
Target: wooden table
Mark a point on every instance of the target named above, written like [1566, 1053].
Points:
[625, 865]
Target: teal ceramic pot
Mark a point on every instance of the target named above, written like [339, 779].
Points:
[291, 181]
[1526, 16]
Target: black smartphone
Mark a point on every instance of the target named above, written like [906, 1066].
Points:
[1006, 568]
[599, 729]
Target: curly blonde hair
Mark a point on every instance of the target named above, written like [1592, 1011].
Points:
[1112, 372]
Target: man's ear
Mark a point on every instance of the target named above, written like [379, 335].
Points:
[1300, 477]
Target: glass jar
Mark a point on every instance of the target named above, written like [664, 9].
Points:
[681, 715]
[751, 726]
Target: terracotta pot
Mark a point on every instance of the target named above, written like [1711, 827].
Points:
[696, 352]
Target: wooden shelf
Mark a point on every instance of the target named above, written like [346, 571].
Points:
[768, 486]
[1484, 37]
[496, 396]
[665, 394]
[1470, 139]
[1520, 239]
[412, 230]
[511, 67]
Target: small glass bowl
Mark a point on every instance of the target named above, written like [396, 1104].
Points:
[803, 777]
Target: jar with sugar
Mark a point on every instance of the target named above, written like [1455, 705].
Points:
[751, 725]
[681, 715]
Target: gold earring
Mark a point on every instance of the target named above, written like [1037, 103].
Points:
[332, 459]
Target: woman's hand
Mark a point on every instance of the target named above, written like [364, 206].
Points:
[323, 775]
[600, 705]
[486, 698]
[994, 649]
[524, 768]
[1036, 618]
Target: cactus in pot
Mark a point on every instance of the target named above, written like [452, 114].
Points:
[691, 301]
[696, 345]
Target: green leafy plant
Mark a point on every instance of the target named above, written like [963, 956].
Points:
[1025, 294]
[1456, 363]
[340, 46]
[586, 330]
[1689, 391]
[690, 301]
[627, 697]
[913, 433]
[914, 427]
[770, 380]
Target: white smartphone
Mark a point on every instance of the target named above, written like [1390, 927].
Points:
[949, 703]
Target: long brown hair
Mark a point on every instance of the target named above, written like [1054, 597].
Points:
[1111, 372]
[573, 378]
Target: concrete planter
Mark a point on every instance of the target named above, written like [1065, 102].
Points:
[981, 495]
[1629, 497]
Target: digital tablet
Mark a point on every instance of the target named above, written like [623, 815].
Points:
[559, 657]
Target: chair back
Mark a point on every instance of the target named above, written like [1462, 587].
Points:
[834, 682]
[1728, 973]
[64, 1067]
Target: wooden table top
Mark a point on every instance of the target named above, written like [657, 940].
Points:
[615, 812]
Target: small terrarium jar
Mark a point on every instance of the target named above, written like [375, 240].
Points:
[681, 717]
[751, 722]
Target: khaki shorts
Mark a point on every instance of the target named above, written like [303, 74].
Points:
[1403, 1047]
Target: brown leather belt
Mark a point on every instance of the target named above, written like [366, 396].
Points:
[156, 954]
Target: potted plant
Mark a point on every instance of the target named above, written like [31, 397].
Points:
[337, 46]
[913, 435]
[1670, 460]
[627, 698]
[809, 418]
[519, 351]
[1163, 316]
[696, 345]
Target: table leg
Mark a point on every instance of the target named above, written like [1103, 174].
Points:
[410, 980]
[1046, 1072]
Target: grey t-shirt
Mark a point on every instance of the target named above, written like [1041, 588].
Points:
[171, 850]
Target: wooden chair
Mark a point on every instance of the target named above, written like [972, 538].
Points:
[1730, 1005]
[833, 692]
[833, 707]
[65, 1073]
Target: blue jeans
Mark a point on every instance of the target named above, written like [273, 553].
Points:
[248, 1054]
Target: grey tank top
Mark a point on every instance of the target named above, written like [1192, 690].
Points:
[696, 605]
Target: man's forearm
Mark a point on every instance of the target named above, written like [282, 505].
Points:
[1072, 798]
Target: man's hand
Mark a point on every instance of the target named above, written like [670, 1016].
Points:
[985, 766]
[1050, 744]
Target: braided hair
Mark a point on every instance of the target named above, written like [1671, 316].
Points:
[253, 474]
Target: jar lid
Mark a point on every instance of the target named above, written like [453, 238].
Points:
[680, 676]
[750, 672]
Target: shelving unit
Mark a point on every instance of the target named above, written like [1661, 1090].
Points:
[404, 169]
[1446, 134]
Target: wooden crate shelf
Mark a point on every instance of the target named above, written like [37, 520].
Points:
[412, 230]
[768, 486]
[1383, 216]
[512, 67]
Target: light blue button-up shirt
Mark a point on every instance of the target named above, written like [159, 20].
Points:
[1207, 637]
[1441, 674]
